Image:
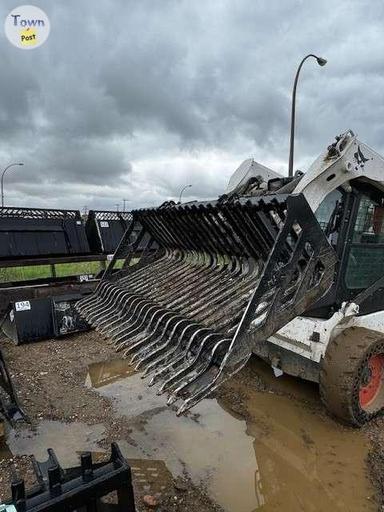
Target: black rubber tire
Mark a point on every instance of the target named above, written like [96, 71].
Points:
[341, 374]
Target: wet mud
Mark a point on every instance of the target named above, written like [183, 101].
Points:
[278, 455]
[259, 443]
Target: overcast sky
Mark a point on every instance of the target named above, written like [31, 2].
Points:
[134, 99]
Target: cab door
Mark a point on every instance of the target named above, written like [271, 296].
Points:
[364, 261]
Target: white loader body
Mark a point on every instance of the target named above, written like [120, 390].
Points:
[309, 337]
[297, 335]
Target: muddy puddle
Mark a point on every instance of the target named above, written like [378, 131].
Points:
[284, 456]
[107, 372]
[67, 439]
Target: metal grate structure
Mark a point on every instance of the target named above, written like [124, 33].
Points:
[226, 274]
[38, 213]
[32, 232]
[105, 229]
[111, 215]
[78, 488]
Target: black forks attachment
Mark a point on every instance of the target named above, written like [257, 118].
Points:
[224, 276]
[75, 489]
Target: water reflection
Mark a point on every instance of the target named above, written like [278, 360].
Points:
[106, 372]
[282, 456]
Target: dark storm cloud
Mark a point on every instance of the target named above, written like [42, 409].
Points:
[135, 99]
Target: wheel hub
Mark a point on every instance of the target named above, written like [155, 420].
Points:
[371, 380]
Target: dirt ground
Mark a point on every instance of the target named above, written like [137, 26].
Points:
[49, 377]
[234, 393]
[375, 460]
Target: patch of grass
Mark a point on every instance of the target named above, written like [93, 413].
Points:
[24, 273]
[14, 274]
[119, 263]
[77, 269]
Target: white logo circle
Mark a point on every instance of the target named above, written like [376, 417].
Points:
[27, 27]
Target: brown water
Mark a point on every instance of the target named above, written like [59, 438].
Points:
[286, 458]
[107, 372]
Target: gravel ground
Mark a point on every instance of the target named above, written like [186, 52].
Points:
[49, 377]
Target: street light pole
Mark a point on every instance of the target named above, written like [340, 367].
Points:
[321, 62]
[182, 190]
[2, 180]
[124, 201]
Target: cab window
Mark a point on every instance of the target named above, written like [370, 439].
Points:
[366, 258]
[328, 213]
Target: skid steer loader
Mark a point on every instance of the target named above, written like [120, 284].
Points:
[290, 269]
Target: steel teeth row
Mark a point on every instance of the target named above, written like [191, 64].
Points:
[175, 317]
[170, 317]
[225, 275]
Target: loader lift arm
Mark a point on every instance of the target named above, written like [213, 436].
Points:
[225, 275]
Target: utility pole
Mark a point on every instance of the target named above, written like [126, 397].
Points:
[125, 201]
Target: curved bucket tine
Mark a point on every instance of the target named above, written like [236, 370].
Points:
[93, 299]
[177, 282]
[103, 299]
[151, 350]
[167, 317]
[117, 332]
[198, 382]
[178, 355]
[165, 354]
[231, 267]
[191, 364]
[205, 384]
[162, 346]
[117, 295]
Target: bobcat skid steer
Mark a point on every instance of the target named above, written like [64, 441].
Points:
[291, 269]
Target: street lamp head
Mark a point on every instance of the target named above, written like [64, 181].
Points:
[2, 179]
[321, 61]
[182, 190]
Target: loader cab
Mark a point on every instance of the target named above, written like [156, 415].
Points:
[353, 222]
